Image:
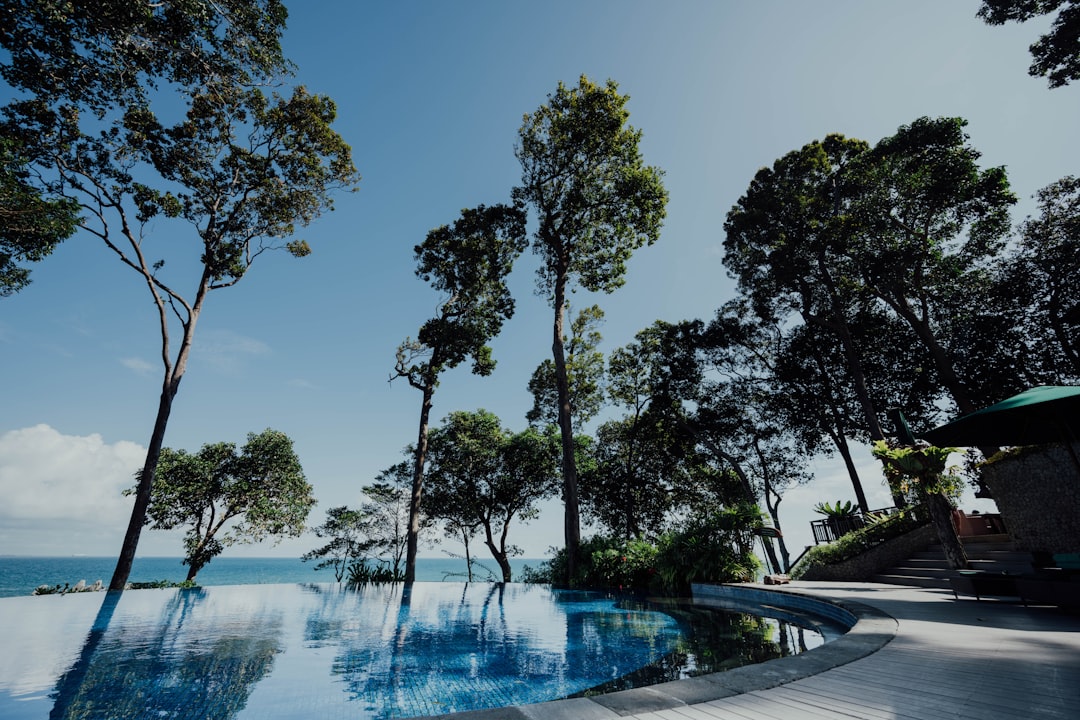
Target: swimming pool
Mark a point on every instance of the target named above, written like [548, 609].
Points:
[323, 651]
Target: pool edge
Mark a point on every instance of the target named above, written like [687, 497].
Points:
[869, 629]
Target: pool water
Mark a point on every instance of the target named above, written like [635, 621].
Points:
[324, 651]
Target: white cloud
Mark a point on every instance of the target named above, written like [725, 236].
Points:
[46, 476]
[142, 367]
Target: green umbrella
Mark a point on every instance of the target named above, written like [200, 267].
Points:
[1045, 414]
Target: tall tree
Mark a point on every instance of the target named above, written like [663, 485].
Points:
[226, 498]
[30, 225]
[468, 262]
[485, 476]
[781, 246]
[144, 112]
[596, 202]
[1055, 55]
[926, 220]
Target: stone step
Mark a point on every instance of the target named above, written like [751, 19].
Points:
[893, 577]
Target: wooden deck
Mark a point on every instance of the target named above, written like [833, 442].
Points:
[950, 658]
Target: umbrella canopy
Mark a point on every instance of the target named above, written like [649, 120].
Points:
[1046, 414]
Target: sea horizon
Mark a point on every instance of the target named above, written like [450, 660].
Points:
[21, 574]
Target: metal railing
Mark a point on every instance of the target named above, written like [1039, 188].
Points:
[831, 529]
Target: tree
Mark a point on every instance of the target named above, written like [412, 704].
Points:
[1046, 268]
[468, 262]
[1055, 55]
[584, 373]
[153, 112]
[596, 202]
[225, 498]
[30, 225]
[484, 476]
[347, 532]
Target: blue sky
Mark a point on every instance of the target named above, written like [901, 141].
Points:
[431, 96]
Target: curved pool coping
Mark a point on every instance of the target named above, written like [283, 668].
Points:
[869, 630]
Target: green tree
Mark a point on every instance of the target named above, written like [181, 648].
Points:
[346, 530]
[467, 262]
[485, 476]
[596, 202]
[1045, 270]
[151, 116]
[30, 225]
[584, 373]
[1055, 55]
[225, 498]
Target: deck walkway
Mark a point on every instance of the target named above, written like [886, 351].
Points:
[949, 658]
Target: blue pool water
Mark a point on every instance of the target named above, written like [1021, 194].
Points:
[323, 651]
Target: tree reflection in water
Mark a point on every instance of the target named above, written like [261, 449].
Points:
[182, 663]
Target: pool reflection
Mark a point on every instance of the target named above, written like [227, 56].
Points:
[385, 651]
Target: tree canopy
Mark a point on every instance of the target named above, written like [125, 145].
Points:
[226, 498]
[1055, 55]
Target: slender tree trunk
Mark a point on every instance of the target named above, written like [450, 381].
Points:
[844, 449]
[142, 491]
[170, 385]
[419, 457]
[498, 552]
[572, 522]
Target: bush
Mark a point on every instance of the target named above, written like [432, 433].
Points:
[718, 548]
[360, 573]
[859, 541]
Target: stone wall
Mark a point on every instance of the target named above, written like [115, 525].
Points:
[1037, 492]
[886, 555]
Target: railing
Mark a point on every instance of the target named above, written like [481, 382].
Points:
[831, 529]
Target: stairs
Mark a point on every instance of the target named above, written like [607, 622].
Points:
[928, 568]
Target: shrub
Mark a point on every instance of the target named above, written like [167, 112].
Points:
[859, 541]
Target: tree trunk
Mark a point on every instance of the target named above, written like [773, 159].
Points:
[419, 457]
[849, 463]
[941, 514]
[572, 522]
[174, 373]
[142, 492]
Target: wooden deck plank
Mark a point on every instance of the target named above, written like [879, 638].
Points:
[949, 659]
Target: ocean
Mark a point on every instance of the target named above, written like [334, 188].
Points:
[20, 575]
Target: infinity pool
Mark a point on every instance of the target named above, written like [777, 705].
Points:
[322, 651]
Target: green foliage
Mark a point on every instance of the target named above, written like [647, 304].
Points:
[261, 490]
[922, 468]
[583, 172]
[347, 532]
[584, 373]
[838, 510]
[718, 548]
[468, 262]
[484, 477]
[1054, 55]
[361, 573]
[163, 584]
[30, 225]
[865, 538]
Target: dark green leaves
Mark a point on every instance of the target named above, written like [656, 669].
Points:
[224, 497]
[1055, 55]
[595, 199]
